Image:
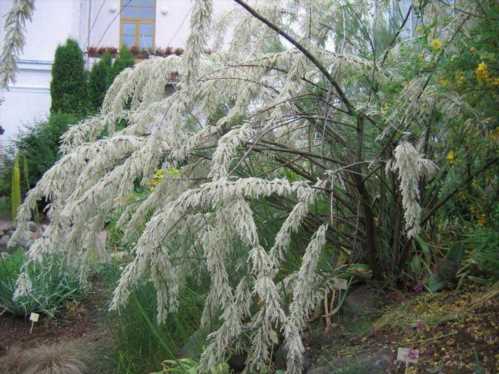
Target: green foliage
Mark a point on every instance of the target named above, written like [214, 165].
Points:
[481, 245]
[4, 207]
[68, 88]
[485, 253]
[53, 283]
[26, 173]
[15, 193]
[39, 144]
[189, 366]
[140, 344]
[124, 60]
[99, 81]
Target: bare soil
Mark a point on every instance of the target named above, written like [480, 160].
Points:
[79, 324]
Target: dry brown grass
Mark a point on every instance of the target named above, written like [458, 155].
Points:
[47, 359]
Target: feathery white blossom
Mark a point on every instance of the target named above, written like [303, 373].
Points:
[257, 101]
[14, 40]
[411, 168]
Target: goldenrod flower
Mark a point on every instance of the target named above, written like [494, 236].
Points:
[443, 82]
[436, 44]
[156, 179]
[451, 157]
[482, 219]
[482, 72]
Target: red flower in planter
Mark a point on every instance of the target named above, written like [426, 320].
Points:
[168, 51]
[92, 51]
[135, 50]
[179, 51]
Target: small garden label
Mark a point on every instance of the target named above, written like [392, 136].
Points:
[408, 355]
[34, 317]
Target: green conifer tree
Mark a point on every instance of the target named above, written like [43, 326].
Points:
[99, 81]
[68, 88]
[124, 60]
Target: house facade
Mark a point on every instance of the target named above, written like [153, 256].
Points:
[95, 24]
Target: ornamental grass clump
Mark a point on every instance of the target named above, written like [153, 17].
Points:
[46, 359]
[47, 285]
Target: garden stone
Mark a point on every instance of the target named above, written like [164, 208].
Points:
[36, 235]
[361, 301]
[33, 227]
[6, 226]
[193, 347]
[3, 243]
[280, 358]
[372, 362]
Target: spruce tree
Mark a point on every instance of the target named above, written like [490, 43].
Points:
[68, 88]
[99, 81]
[124, 60]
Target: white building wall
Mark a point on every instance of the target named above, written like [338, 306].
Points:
[28, 100]
[104, 23]
[171, 29]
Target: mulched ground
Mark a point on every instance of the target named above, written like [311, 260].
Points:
[80, 324]
[468, 342]
[75, 322]
[454, 332]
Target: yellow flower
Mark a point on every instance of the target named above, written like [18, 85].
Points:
[156, 179]
[443, 82]
[436, 44]
[451, 157]
[482, 72]
[173, 172]
[482, 219]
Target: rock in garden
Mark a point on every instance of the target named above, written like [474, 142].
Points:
[372, 362]
[361, 301]
[3, 242]
[33, 227]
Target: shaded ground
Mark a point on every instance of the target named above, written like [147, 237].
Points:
[454, 332]
[81, 325]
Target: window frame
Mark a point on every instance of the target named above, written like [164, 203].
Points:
[138, 22]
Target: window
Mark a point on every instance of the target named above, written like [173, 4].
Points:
[137, 23]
